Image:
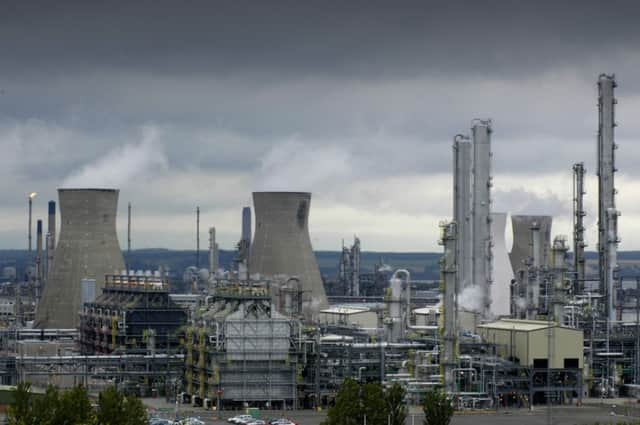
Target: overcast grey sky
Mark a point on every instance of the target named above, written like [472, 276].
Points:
[181, 104]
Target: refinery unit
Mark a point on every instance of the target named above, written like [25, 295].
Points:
[500, 328]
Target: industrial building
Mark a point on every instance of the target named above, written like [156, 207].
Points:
[532, 343]
[133, 315]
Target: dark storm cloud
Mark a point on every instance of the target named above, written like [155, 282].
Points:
[356, 101]
[355, 38]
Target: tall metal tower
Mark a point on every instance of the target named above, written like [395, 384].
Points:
[607, 213]
[449, 336]
[462, 201]
[578, 227]
[481, 132]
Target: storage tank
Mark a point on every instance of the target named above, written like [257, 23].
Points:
[87, 248]
[281, 243]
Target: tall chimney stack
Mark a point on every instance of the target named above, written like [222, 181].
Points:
[51, 236]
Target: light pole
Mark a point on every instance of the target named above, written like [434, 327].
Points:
[360, 369]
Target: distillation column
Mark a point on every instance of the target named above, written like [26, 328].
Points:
[482, 258]
[559, 253]
[448, 267]
[578, 227]
[607, 214]
[533, 289]
[462, 166]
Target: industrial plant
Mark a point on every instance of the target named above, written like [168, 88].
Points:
[528, 326]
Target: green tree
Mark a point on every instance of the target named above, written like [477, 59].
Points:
[46, 408]
[348, 407]
[74, 408]
[134, 411]
[396, 406]
[116, 409]
[373, 404]
[20, 410]
[437, 408]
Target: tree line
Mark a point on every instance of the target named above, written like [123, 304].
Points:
[73, 407]
[370, 403]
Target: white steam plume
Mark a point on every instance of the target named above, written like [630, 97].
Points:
[122, 164]
[470, 299]
[294, 165]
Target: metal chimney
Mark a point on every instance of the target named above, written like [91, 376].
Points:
[281, 244]
[51, 236]
[87, 248]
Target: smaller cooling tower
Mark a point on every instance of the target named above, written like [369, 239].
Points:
[87, 248]
[522, 241]
[501, 273]
[281, 244]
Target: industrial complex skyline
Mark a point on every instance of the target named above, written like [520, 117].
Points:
[179, 106]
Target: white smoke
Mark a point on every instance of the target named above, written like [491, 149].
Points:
[521, 303]
[122, 164]
[470, 299]
[294, 165]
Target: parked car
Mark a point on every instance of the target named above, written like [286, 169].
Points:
[240, 419]
[281, 421]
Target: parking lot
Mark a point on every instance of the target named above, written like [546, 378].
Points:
[566, 415]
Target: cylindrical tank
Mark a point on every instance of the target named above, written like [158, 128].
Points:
[281, 244]
[87, 248]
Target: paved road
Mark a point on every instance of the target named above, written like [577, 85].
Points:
[586, 415]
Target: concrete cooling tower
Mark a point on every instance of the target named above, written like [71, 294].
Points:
[281, 244]
[501, 272]
[87, 248]
[522, 239]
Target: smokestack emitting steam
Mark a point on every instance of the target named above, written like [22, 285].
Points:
[87, 248]
[31, 196]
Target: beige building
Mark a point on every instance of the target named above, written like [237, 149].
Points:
[349, 316]
[526, 341]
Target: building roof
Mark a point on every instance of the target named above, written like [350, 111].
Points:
[344, 310]
[518, 325]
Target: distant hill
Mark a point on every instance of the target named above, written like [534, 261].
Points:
[423, 266]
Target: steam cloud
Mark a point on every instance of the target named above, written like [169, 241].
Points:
[470, 299]
[122, 164]
[293, 165]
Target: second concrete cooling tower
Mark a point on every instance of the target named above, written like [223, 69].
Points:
[522, 226]
[281, 244]
[87, 248]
